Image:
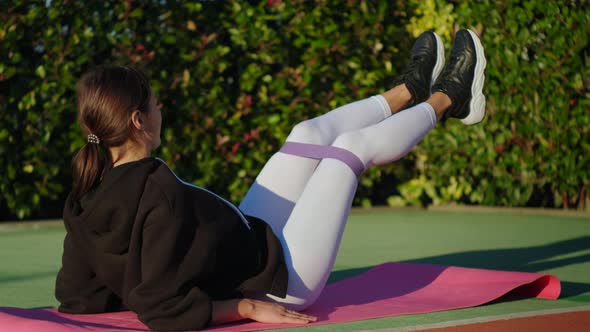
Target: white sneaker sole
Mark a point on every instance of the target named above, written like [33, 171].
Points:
[440, 59]
[477, 105]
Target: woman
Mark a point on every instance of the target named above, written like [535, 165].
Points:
[181, 257]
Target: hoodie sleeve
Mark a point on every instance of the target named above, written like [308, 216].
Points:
[77, 287]
[164, 298]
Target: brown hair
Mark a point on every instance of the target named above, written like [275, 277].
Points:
[107, 96]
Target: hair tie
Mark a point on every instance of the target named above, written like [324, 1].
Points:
[93, 139]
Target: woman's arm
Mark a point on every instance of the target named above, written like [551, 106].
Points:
[172, 252]
[260, 311]
[78, 288]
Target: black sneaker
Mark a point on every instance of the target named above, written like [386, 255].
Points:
[463, 79]
[428, 60]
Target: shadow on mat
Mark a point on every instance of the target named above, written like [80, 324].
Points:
[531, 259]
[429, 287]
[375, 286]
[49, 316]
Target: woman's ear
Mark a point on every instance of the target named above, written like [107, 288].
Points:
[137, 120]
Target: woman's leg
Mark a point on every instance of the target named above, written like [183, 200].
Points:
[312, 234]
[282, 180]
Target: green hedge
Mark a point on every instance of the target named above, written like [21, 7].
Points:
[534, 147]
[236, 76]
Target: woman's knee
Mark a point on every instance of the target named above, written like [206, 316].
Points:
[307, 132]
[299, 306]
[290, 302]
[301, 302]
[354, 142]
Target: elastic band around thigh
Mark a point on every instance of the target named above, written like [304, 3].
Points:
[319, 152]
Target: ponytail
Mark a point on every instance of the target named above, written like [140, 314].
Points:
[88, 167]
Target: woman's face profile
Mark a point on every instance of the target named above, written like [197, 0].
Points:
[153, 123]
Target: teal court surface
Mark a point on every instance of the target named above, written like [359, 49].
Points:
[512, 240]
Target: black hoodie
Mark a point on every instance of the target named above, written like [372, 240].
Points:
[145, 240]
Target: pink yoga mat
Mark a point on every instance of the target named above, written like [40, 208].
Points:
[389, 289]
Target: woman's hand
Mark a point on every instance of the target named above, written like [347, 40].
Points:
[267, 312]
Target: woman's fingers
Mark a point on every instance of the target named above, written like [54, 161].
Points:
[299, 316]
[296, 319]
[267, 312]
[307, 317]
[293, 320]
[302, 315]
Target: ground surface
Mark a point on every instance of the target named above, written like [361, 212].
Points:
[560, 245]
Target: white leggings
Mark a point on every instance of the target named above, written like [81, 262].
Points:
[306, 202]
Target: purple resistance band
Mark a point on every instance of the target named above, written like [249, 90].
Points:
[321, 151]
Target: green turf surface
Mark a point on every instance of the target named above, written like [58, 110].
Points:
[521, 242]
